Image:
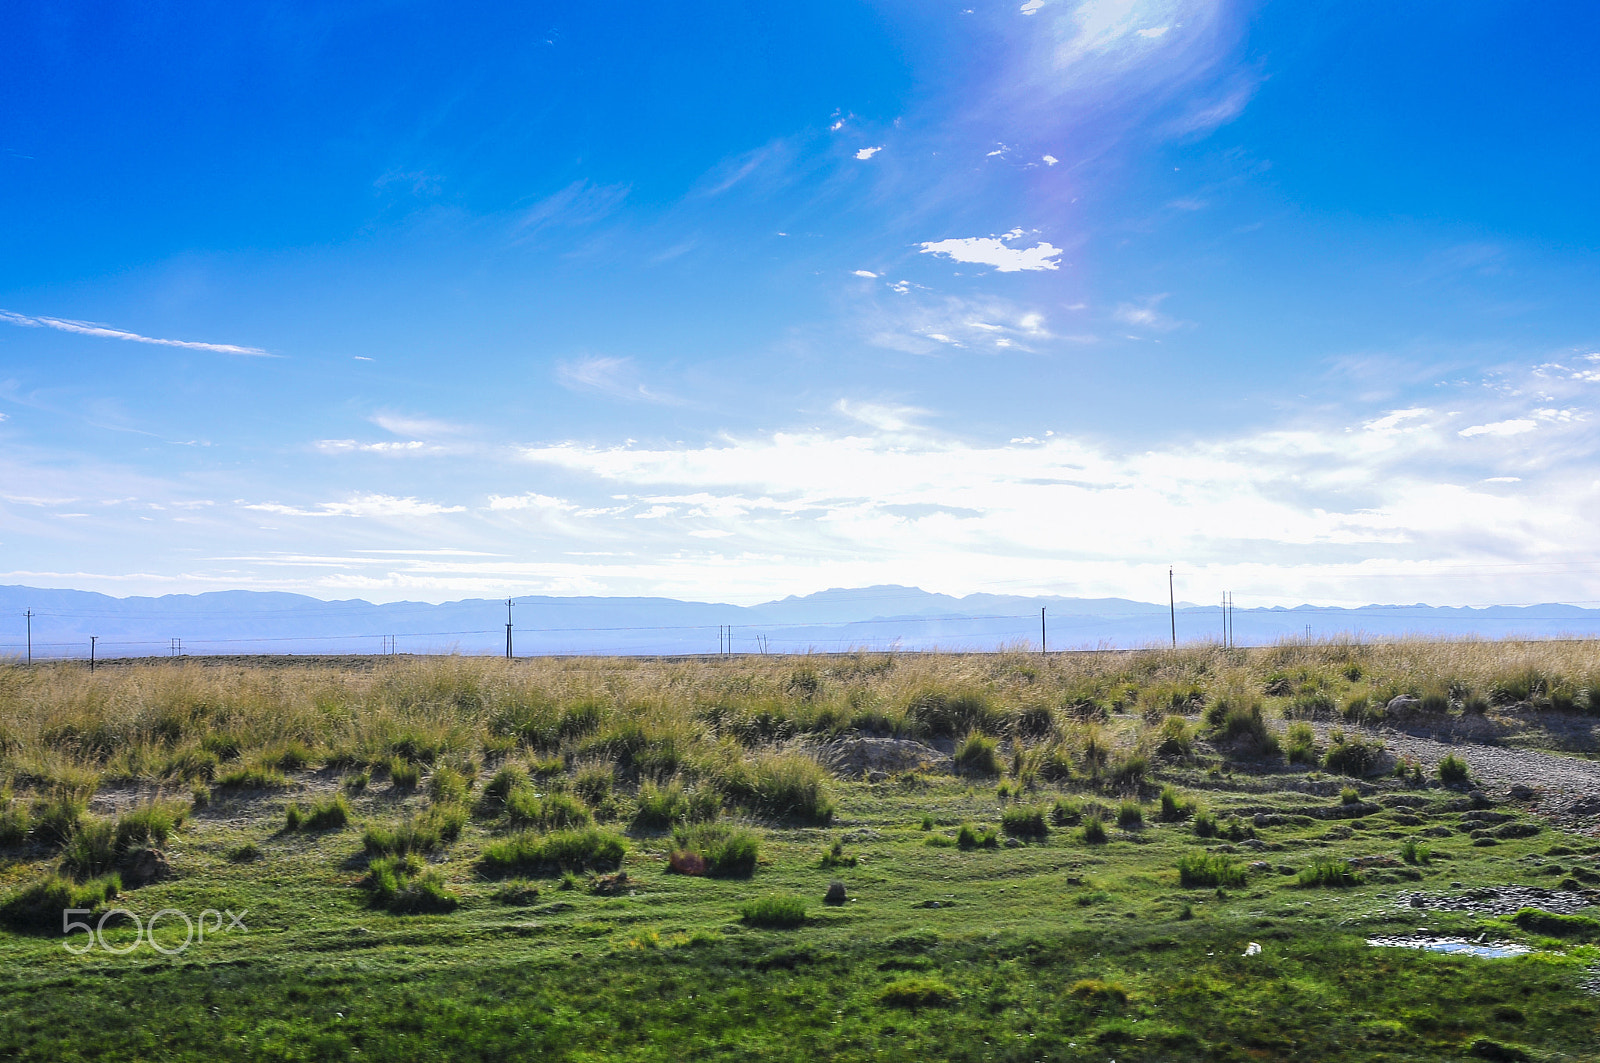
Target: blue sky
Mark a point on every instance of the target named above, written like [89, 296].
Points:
[729, 302]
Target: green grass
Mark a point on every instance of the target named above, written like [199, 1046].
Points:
[447, 933]
[781, 912]
[1025, 821]
[1453, 770]
[1328, 872]
[719, 850]
[330, 813]
[1209, 869]
[530, 853]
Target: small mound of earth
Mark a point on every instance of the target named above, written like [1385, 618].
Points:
[860, 756]
[1501, 900]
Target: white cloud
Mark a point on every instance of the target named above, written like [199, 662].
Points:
[351, 446]
[884, 417]
[1514, 427]
[84, 328]
[367, 505]
[864, 273]
[918, 325]
[1032, 7]
[1146, 315]
[994, 251]
[617, 377]
[531, 500]
[406, 425]
[1154, 32]
[1397, 420]
[1050, 160]
[867, 153]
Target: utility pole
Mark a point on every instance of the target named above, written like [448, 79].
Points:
[1042, 650]
[1172, 607]
[29, 615]
[92, 640]
[508, 628]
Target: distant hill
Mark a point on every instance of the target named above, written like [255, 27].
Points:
[884, 617]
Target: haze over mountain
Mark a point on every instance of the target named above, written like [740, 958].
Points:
[882, 617]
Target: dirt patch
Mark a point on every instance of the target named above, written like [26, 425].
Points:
[849, 757]
[1501, 900]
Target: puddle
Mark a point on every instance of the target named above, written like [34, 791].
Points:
[1452, 946]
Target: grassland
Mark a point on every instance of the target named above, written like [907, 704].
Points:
[1063, 858]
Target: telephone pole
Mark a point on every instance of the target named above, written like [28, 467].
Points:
[1172, 607]
[92, 640]
[1042, 651]
[29, 615]
[509, 603]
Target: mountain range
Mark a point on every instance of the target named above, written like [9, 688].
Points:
[878, 618]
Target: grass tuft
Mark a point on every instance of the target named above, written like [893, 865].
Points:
[778, 912]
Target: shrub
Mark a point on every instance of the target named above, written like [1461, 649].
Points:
[1209, 870]
[424, 833]
[917, 993]
[356, 782]
[447, 786]
[1176, 740]
[945, 715]
[1453, 770]
[398, 884]
[403, 774]
[557, 811]
[1325, 871]
[835, 857]
[663, 805]
[38, 907]
[977, 754]
[571, 851]
[92, 849]
[593, 783]
[1352, 755]
[1349, 796]
[1066, 812]
[290, 756]
[1130, 815]
[330, 813]
[722, 851]
[1412, 853]
[1205, 824]
[785, 785]
[1094, 830]
[248, 853]
[1024, 821]
[1301, 744]
[1129, 769]
[1310, 705]
[1095, 991]
[492, 801]
[970, 837]
[1240, 724]
[56, 818]
[1175, 807]
[782, 912]
[252, 777]
[14, 820]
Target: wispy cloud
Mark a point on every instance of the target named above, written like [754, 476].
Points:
[580, 203]
[867, 153]
[996, 251]
[885, 417]
[84, 328]
[1514, 427]
[366, 505]
[402, 424]
[617, 377]
[351, 446]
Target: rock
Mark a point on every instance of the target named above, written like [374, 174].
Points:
[877, 776]
[1014, 843]
[146, 865]
[836, 893]
[1403, 705]
[1260, 865]
[1267, 819]
[1522, 792]
[1479, 799]
[1517, 830]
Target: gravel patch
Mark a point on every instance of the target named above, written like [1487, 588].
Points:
[1500, 900]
